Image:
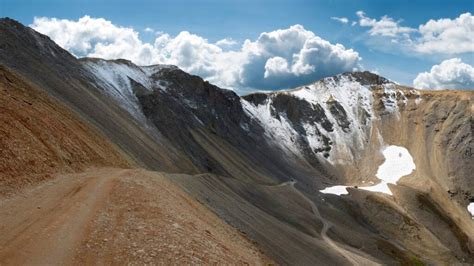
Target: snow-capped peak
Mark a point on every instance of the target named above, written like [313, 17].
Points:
[337, 123]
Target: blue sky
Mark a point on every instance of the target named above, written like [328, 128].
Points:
[214, 20]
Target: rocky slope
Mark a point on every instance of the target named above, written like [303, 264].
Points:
[41, 62]
[261, 161]
[58, 203]
[40, 137]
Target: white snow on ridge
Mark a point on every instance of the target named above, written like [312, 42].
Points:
[280, 131]
[398, 163]
[114, 77]
[355, 98]
[116, 74]
[150, 70]
[390, 102]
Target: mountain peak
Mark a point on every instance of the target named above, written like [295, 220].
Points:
[24, 43]
[10, 21]
[366, 78]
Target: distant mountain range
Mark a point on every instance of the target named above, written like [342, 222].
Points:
[259, 161]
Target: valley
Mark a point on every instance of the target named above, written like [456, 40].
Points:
[107, 162]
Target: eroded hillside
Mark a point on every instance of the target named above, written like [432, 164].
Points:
[41, 137]
[61, 204]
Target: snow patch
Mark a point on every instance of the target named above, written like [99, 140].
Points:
[336, 190]
[380, 187]
[342, 190]
[470, 209]
[398, 163]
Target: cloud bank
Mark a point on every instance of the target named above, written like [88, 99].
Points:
[449, 74]
[278, 59]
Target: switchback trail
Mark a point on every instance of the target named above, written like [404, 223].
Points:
[352, 257]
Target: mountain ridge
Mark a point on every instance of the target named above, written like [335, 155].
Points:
[236, 154]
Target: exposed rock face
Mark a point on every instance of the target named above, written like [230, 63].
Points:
[245, 150]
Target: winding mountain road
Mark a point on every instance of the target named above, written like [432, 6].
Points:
[352, 257]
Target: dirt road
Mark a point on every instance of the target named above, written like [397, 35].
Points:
[115, 216]
[352, 257]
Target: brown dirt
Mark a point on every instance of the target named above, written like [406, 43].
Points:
[40, 137]
[116, 216]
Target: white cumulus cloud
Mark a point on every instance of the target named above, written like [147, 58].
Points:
[449, 74]
[188, 51]
[294, 56]
[276, 66]
[449, 36]
[278, 59]
[443, 36]
[95, 37]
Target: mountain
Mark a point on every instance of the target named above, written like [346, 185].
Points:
[400, 158]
